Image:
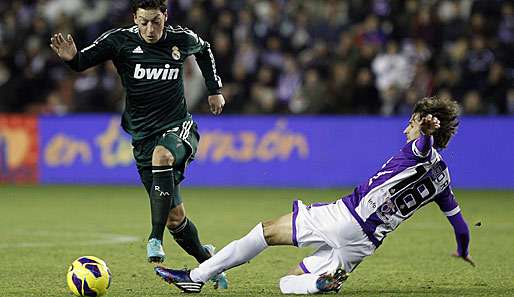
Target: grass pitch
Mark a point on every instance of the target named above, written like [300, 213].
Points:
[43, 229]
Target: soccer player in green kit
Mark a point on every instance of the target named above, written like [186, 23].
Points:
[149, 58]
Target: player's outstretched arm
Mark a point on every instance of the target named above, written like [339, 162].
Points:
[65, 48]
[462, 236]
[450, 207]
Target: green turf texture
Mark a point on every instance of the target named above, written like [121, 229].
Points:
[43, 229]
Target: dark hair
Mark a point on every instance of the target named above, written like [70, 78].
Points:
[148, 4]
[447, 111]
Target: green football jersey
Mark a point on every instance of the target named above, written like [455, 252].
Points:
[152, 74]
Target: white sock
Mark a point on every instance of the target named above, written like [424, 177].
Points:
[235, 253]
[299, 284]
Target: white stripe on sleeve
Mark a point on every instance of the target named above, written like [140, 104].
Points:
[417, 152]
[452, 212]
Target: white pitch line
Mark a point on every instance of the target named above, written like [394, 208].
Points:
[105, 240]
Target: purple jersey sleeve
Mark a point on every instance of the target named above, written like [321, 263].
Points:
[450, 207]
[461, 234]
[423, 145]
[447, 203]
[420, 148]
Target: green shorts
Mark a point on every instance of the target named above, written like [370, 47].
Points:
[181, 141]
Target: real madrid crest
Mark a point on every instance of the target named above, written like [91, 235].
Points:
[175, 53]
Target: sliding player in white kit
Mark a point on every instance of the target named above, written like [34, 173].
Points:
[353, 227]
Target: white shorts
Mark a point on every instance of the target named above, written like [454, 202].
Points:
[330, 228]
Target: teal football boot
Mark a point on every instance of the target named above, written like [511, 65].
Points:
[331, 282]
[154, 251]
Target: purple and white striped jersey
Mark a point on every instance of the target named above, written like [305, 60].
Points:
[409, 180]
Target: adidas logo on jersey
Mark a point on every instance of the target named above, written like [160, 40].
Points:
[138, 50]
[165, 73]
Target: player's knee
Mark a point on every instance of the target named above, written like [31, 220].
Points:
[269, 230]
[162, 157]
[278, 231]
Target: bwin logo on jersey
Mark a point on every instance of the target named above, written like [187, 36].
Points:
[165, 73]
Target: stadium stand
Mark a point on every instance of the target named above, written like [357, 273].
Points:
[291, 57]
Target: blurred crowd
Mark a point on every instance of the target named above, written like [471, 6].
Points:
[279, 56]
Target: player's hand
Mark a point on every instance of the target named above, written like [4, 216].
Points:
[465, 258]
[65, 48]
[429, 124]
[216, 103]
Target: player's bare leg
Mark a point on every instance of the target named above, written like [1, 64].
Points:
[279, 231]
[176, 216]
